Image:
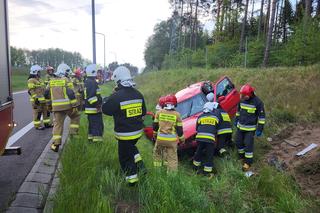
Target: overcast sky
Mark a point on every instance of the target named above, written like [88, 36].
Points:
[127, 24]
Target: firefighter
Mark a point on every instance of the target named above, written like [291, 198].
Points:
[167, 130]
[36, 89]
[224, 133]
[127, 107]
[250, 120]
[206, 127]
[78, 86]
[64, 103]
[49, 75]
[93, 102]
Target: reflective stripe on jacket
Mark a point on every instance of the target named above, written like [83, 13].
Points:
[251, 115]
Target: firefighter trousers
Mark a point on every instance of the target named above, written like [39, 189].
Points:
[130, 159]
[244, 141]
[38, 111]
[95, 127]
[58, 122]
[224, 140]
[165, 153]
[204, 156]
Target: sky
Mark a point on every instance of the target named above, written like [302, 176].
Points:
[127, 24]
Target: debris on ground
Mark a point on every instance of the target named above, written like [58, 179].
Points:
[305, 168]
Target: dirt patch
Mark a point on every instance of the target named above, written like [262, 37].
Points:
[123, 207]
[306, 168]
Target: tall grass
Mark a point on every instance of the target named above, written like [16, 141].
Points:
[91, 180]
[19, 80]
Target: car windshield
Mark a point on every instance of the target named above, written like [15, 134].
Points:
[191, 106]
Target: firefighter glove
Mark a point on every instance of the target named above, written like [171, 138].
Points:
[258, 133]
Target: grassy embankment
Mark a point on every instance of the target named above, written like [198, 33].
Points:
[91, 181]
[19, 80]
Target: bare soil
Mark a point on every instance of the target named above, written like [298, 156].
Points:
[123, 207]
[305, 169]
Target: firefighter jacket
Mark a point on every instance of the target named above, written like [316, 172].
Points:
[92, 96]
[167, 125]
[127, 107]
[250, 114]
[78, 88]
[48, 78]
[36, 89]
[61, 96]
[224, 126]
[207, 125]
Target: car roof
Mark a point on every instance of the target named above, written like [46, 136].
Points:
[188, 92]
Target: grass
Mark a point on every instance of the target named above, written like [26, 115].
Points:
[19, 80]
[91, 180]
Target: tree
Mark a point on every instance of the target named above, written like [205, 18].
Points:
[243, 27]
[260, 19]
[269, 37]
[158, 45]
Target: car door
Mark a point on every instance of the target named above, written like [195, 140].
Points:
[147, 122]
[224, 87]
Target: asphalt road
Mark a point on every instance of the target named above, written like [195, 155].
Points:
[14, 169]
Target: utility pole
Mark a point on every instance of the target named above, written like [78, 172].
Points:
[93, 33]
[104, 49]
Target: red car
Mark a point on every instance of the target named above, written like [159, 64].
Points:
[190, 105]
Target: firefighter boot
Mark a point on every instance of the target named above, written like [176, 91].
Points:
[48, 125]
[245, 167]
[54, 147]
[40, 128]
[223, 152]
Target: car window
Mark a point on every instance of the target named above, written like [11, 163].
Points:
[224, 87]
[197, 104]
[184, 108]
[191, 106]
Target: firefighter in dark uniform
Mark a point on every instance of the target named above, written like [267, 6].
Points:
[206, 127]
[250, 120]
[224, 133]
[93, 103]
[127, 107]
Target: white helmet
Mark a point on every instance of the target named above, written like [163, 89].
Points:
[34, 69]
[210, 96]
[122, 73]
[91, 70]
[62, 70]
[208, 107]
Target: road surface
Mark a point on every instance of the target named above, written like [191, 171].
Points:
[14, 169]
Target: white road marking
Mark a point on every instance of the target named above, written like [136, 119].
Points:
[19, 134]
[20, 92]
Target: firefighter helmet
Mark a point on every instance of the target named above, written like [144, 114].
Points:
[170, 99]
[247, 90]
[92, 70]
[161, 101]
[34, 69]
[210, 96]
[121, 73]
[62, 69]
[48, 68]
[207, 87]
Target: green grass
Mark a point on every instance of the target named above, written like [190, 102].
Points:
[19, 80]
[91, 180]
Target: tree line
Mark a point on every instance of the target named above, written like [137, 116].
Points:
[55, 56]
[246, 33]
[52, 56]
